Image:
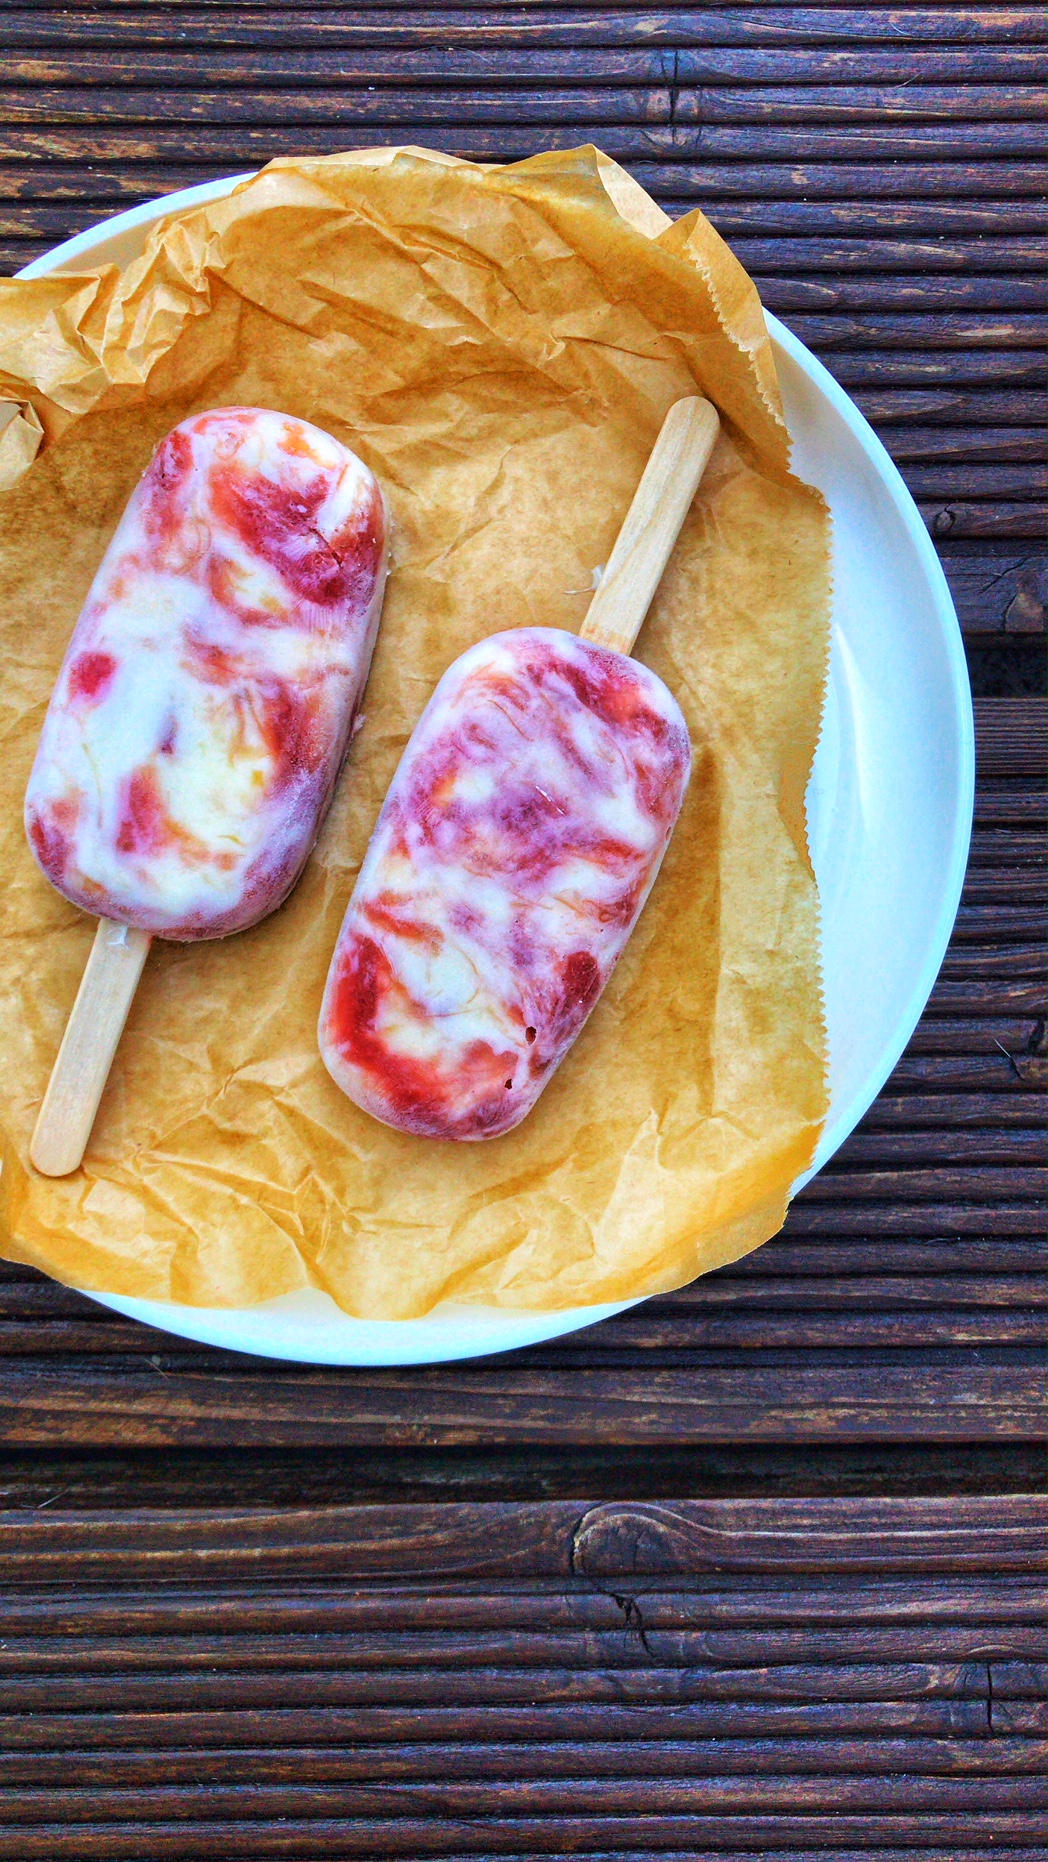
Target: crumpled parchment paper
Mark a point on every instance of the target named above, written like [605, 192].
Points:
[500, 345]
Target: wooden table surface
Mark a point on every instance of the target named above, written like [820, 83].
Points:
[754, 1568]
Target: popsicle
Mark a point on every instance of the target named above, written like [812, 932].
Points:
[519, 840]
[202, 711]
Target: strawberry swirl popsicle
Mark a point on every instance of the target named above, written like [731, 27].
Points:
[517, 845]
[207, 698]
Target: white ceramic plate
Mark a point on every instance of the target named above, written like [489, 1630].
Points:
[889, 806]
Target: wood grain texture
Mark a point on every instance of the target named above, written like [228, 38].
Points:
[209, 1647]
[220, 27]
[499, 1680]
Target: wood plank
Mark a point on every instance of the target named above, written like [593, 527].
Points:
[810, 253]
[910, 101]
[643, 1758]
[724, 1796]
[999, 594]
[318, 1727]
[1025, 1145]
[687, 1661]
[993, 1394]
[226, 150]
[949, 445]
[862, 368]
[997, 1111]
[1010, 735]
[1019, 803]
[971, 484]
[447, 27]
[155, 159]
[663, 1538]
[971, 1184]
[795, 1292]
[904, 291]
[826, 180]
[330, 1839]
[493, 1540]
[99, 108]
[739, 219]
[983, 1073]
[966, 518]
[992, 884]
[275, 1605]
[809, 1216]
[366, 62]
[940, 1034]
[644, 1761]
[1006, 846]
[368, 65]
[776, 1837]
[170, 1692]
[633, 97]
[798, 1329]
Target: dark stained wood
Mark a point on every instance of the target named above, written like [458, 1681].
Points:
[808, 253]
[640, 1684]
[903, 332]
[647, 1760]
[839, 180]
[363, 65]
[701, 1837]
[104, 106]
[1010, 732]
[218, 149]
[550, 1797]
[253, 1610]
[367, 63]
[937, 1535]
[508, 26]
[276, 1730]
[997, 519]
[968, 1533]
[935, 1395]
[924, 95]
[1003, 594]
[1010, 291]
[138, 1611]
[444, 1542]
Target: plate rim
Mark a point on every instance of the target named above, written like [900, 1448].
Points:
[183, 1321]
[836, 1131]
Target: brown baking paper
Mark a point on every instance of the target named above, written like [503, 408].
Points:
[500, 345]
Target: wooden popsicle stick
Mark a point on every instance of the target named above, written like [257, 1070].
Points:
[652, 525]
[93, 1030]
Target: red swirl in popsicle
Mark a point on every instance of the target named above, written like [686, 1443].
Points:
[202, 712]
[207, 698]
[517, 845]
